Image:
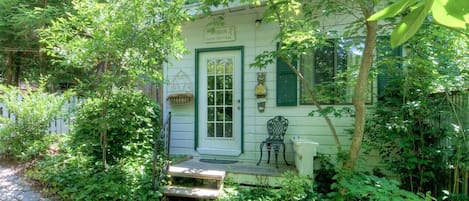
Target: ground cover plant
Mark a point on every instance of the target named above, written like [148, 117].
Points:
[77, 173]
[292, 187]
[358, 186]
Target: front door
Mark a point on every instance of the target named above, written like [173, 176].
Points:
[219, 102]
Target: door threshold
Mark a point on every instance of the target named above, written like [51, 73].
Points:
[218, 152]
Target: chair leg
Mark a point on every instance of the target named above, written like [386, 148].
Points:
[260, 158]
[284, 158]
[276, 158]
[268, 153]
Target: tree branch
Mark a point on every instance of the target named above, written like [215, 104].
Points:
[306, 84]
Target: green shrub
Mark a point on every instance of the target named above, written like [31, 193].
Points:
[296, 187]
[364, 187]
[324, 176]
[292, 187]
[77, 173]
[131, 120]
[419, 126]
[25, 136]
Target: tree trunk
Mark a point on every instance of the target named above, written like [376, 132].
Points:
[9, 64]
[102, 68]
[359, 96]
[17, 74]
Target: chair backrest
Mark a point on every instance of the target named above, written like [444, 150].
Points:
[276, 127]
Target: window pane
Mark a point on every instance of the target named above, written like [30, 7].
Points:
[220, 114]
[317, 68]
[210, 130]
[220, 66]
[211, 66]
[323, 65]
[349, 55]
[220, 82]
[229, 114]
[220, 98]
[211, 98]
[228, 130]
[229, 66]
[307, 63]
[211, 82]
[211, 114]
[219, 130]
[228, 98]
[228, 82]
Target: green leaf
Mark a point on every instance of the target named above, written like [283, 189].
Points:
[459, 8]
[449, 15]
[410, 24]
[392, 10]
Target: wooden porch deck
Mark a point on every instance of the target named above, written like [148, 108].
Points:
[241, 172]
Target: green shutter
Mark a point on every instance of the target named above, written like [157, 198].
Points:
[385, 69]
[286, 85]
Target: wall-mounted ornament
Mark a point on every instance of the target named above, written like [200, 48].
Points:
[180, 89]
[220, 34]
[261, 91]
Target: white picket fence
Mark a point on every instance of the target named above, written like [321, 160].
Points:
[59, 125]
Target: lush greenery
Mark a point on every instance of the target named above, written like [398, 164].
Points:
[292, 187]
[20, 51]
[104, 49]
[116, 43]
[131, 121]
[23, 136]
[77, 174]
[419, 129]
[330, 181]
[108, 47]
[358, 186]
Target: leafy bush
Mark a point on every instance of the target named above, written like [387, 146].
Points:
[419, 126]
[324, 176]
[130, 121]
[360, 186]
[77, 173]
[296, 187]
[24, 136]
[329, 181]
[293, 187]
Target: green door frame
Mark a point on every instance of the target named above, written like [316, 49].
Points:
[196, 102]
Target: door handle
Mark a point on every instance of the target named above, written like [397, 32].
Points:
[239, 104]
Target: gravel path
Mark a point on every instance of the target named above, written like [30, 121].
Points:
[13, 187]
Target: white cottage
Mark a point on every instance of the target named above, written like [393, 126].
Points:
[212, 91]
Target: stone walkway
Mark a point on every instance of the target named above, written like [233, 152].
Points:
[14, 188]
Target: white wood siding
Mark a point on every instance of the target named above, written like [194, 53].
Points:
[255, 40]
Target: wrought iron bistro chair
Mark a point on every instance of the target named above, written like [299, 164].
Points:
[276, 127]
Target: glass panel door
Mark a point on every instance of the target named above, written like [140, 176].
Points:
[219, 103]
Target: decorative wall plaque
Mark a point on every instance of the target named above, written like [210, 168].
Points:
[220, 34]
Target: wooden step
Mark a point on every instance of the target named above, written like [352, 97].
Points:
[196, 173]
[190, 192]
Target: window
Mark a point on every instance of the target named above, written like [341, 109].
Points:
[331, 71]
